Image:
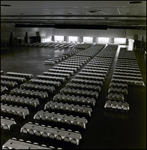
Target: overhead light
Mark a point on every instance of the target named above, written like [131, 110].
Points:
[92, 11]
[6, 5]
[69, 13]
[135, 2]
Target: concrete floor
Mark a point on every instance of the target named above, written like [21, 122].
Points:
[105, 129]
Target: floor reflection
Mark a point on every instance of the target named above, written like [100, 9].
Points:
[116, 114]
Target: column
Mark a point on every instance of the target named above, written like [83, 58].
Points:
[80, 39]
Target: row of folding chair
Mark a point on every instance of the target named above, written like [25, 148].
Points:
[12, 78]
[68, 108]
[116, 105]
[61, 79]
[7, 123]
[109, 51]
[119, 85]
[84, 86]
[94, 70]
[51, 44]
[127, 64]
[103, 68]
[75, 99]
[80, 92]
[127, 73]
[86, 81]
[92, 74]
[79, 63]
[116, 97]
[25, 75]
[128, 81]
[124, 54]
[98, 63]
[79, 58]
[65, 68]
[29, 93]
[21, 144]
[98, 59]
[91, 51]
[95, 78]
[101, 60]
[15, 110]
[123, 91]
[9, 83]
[50, 132]
[75, 62]
[41, 87]
[4, 89]
[128, 68]
[128, 77]
[61, 71]
[58, 46]
[71, 51]
[67, 76]
[54, 60]
[62, 57]
[61, 118]
[45, 82]
[69, 66]
[34, 102]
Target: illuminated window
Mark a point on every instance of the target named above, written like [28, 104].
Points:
[73, 39]
[119, 40]
[103, 40]
[88, 39]
[46, 39]
[59, 38]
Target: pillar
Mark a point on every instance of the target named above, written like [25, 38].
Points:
[80, 39]
[26, 38]
[11, 39]
[66, 38]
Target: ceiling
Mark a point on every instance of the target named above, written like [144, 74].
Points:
[81, 13]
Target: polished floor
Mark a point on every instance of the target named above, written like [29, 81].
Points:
[105, 129]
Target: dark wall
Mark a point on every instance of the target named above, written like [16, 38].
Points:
[34, 39]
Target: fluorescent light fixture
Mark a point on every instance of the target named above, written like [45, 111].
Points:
[135, 2]
[5, 5]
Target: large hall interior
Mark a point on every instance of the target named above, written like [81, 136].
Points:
[73, 75]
